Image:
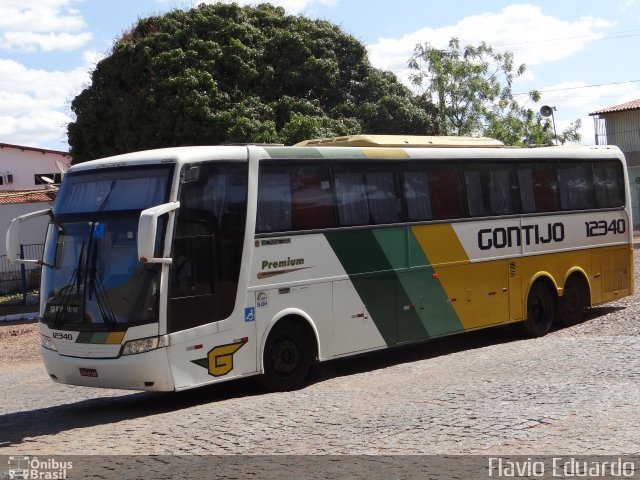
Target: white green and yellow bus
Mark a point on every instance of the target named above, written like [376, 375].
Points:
[175, 268]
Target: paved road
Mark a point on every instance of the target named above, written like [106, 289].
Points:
[575, 391]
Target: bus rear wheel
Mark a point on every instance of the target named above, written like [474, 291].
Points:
[573, 301]
[287, 357]
[540, 311]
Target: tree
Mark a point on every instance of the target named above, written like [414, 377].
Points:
[471, 90]
[226, 74]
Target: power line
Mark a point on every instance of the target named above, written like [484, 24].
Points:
[580, 87]
[514, 47]
[584, 38]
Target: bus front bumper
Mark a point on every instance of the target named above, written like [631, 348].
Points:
[145, 371]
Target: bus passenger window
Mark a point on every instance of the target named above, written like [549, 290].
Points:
[384, 204]
[475, 198]
[490, 190]
[416, 192]
[576, 186]
[367, 195]
[312, 198]
[294, 197]
[352, 199]
[274, 202]
[446, 193]
[538, 188]
[607, 182]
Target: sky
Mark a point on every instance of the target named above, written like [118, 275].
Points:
[582, 55]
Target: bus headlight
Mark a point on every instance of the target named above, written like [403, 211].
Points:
[142, 345]
[47, 343]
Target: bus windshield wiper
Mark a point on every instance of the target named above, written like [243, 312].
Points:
[76, 279]
[102, 298]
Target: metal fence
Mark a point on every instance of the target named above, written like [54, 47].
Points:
[20, 283]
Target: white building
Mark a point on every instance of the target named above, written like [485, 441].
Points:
[23, 168]
[25, 175]
[620, 125]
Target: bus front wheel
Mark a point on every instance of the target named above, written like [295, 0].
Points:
[540, 311]
[287, 357]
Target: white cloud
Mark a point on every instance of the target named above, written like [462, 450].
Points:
[41, 25]
[35, 129]
[47, 42]
[540, 38]
[34, 104]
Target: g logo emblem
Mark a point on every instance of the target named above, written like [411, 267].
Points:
[221, 358]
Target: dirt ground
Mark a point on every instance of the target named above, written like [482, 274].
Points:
[19, 343]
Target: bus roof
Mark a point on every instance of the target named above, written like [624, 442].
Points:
[415, 141]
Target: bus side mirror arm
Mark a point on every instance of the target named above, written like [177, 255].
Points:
[147, 228]
[12, 240]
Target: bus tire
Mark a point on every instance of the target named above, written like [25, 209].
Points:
[287, 357]
[574, 300]
[540, 311]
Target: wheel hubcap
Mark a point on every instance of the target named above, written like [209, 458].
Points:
[539, 311]
[285, 356]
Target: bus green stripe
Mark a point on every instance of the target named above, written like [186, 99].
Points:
[395, 281]
[359, 252]
[426, 292]
[394, 243]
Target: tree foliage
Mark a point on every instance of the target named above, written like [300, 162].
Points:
[226, 74]
[471, 90]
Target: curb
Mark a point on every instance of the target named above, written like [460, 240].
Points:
[19, 316]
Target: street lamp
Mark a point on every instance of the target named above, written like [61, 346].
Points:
[547, 111]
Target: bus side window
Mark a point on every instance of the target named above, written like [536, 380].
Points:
[447, 194]
[417, 195]
[294, 197]
[274, 201]
[367, 194]
[538, 188]
[312, 197]
[351, 193]
[490, 190]
[384, 204]
[607, 182]
[576, 186]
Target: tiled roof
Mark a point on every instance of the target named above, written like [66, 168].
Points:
[632, 105]
[28, 196]
[33, 149]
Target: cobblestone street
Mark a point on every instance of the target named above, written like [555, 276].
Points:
[575, 391]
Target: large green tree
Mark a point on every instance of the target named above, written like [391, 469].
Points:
[224, 73]
[471, 90]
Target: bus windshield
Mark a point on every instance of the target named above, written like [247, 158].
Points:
[113, 189]
[93, 279]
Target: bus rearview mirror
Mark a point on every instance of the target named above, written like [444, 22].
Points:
[13, 236]
[147, 231]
